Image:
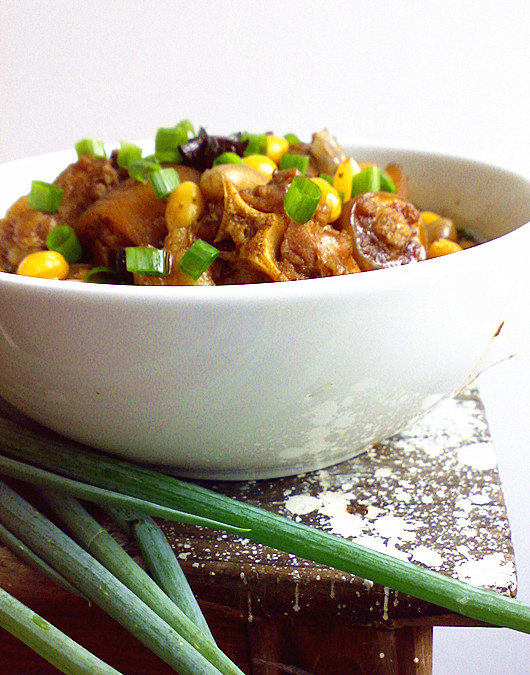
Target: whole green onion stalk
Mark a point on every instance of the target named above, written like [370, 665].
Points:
[265, 527]
[161, 562]
[99, 543]
[99, 584]
[52, 644]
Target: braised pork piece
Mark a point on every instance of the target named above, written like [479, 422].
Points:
[236, 204]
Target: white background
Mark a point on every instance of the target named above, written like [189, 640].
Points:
[451, 76]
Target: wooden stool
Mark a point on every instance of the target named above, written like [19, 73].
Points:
[430, 495]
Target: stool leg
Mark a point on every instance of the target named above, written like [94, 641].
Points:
[287, 648]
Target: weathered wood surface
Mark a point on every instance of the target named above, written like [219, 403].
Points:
[431, 495]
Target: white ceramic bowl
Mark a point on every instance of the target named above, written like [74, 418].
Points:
[266, 380]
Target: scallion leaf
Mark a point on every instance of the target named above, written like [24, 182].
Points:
[45, 639]
[301, 199]
[41, 477]
[99, 543]
[139, 169]
[267, 528]
[100, 275]
[292, 139]
[127, 154]
[162, 562]
[63, 239]
[147, 261]
[386, 183]
[45, 196]
[257, 144]
[18, 547]
[96, 582]
[327, 178]
[167, 141]
[227, 158]
[366, 180]
[187, 126]
[92, 147]
[289, 161]
[164, 181]
[197, 259]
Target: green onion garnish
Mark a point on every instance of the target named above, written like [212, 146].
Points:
[327, 178]
[92, 147]
[164, 181]
[100, 275]
[91, 493]
[372, 179]
[257, 144]
[127, 154]
[387, 184]
[187, 126]
[292, 138]
[367, 180]
[167, 143]
[300, 162]
[45, 196]
[197, 259]
[147, 261]
[227, 158]
[63, 239]
[139, 169]
[301, 199]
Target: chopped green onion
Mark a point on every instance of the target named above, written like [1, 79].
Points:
[372, 179]
[290, 161]
[197, 259]
[301, 199]
[292, 139]
[186, 126]
[63, 239]
[257, 144]
[139, 169]
[100, 275]
[45, 196]
[266, 527]
[127, 154]
[367, 180]
[386, 183]
[45, 639]
[147, 261]
[327, 178]
[227, 158]
[167, 143]
[92, 147]
[164, 181]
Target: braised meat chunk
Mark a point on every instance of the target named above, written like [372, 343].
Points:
[128, 215]
[24, 230]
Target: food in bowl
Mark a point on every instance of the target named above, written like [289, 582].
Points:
[258, 380]
[208, 210]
